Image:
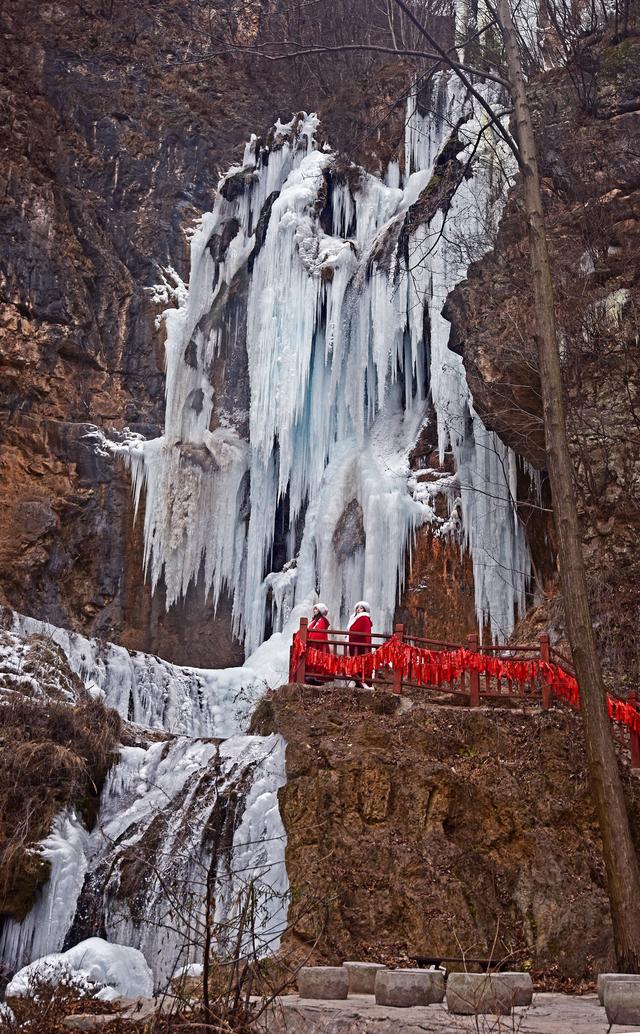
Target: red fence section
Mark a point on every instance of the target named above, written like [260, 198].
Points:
[526, 672]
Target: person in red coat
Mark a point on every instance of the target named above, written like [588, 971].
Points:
[359, 627]
[318, 638]
[318, 628]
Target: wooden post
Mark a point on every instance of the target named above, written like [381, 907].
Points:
[545, 655]
[397, 672]
[474, 676]
[302, 663]
[634, 737]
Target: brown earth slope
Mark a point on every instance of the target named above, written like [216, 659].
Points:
[440, 829]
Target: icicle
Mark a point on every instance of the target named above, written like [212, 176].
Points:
[340, 375]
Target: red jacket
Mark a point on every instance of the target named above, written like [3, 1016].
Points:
[318, 637]
[360, 635]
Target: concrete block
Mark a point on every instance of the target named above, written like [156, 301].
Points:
[328, 982]
[622, 1001]
[520, 985]
[470, 994]
[403, 988]
[362, 976]
[604, 978]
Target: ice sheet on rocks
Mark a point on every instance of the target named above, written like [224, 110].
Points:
[168, 812]
[347, 349]
[106, 970]
[152, 692]
[45, 927]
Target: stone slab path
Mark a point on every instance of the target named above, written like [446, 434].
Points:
[359, 1014]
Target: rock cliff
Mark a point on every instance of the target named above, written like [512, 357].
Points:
[116, 123]
[589, 141]
[440, 829]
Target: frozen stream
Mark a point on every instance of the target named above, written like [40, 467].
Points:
[177, 810]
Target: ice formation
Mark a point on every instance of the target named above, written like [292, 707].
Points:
[325, 284]
[175, 811]
[154, 693]
[341, 287]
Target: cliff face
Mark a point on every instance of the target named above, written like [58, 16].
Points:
[438, 829]
[115, 129]
[116, 123]
[589, 140]
[109, 154]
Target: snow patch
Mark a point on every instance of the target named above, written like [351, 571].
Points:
[107, 971]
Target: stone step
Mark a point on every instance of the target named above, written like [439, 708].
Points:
[328, 982]
[403, 988]
[362, 976]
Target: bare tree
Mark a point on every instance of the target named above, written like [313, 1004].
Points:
[416, 30]
[621, 863]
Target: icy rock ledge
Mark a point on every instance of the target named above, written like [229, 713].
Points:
[106, 971]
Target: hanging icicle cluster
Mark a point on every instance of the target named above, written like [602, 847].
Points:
[346, 349]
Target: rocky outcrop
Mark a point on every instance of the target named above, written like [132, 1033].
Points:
[439, 829]
[589, 140]
[116, 122]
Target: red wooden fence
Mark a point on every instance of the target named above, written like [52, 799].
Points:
[475, 672]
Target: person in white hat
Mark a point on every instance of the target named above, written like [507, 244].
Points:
[359, 627]
[319, 628]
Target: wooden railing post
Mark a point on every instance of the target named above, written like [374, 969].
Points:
[397, 671]
[302, 663]
[545, 655]
[474, 676]
[634, 737]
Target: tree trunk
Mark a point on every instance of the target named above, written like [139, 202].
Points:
[621, 862]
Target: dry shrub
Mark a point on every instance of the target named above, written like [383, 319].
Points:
[56, 746]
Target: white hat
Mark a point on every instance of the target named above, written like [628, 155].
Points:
[365, 606]
[321, 608]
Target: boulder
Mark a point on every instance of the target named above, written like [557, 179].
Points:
[362, 976]
[622, 1001]
[328, 982]
[403, 988]
[470, 994]
[604, 978]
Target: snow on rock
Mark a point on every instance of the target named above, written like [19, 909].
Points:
[27, 667]
[107, 971]
[152, 692]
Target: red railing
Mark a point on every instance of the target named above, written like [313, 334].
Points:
[537, 673]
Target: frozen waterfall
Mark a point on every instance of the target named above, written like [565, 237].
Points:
[181, 808]
[326, 285]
